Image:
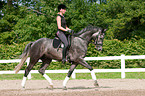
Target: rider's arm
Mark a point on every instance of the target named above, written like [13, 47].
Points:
[67, 28]
[59, 24]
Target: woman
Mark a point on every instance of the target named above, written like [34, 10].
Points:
[63, 30]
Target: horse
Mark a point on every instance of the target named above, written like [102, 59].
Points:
[43, 49]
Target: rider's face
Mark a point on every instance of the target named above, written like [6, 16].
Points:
[63, 11]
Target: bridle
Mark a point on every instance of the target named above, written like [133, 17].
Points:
[98, 42]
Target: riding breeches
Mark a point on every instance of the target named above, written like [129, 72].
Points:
[63, 38]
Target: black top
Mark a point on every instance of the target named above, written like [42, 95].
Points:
[63, 22]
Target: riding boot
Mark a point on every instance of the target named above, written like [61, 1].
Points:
[64, 55]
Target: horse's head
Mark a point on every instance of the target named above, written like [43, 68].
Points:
[98, 37]
[95, 33]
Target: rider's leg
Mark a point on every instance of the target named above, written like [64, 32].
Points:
[63, 38]
[64, 54]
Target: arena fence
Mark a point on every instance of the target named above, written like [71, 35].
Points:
[122, 70]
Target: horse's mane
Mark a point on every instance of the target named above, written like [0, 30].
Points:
[88, 28]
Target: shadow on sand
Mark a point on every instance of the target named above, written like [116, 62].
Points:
[71, 88]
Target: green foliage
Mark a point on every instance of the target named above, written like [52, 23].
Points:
[126, 22]
[32, 28]
[126, 19]
[6, 37]
[37, 19]
[11, 51]
[116, 48]
[76, 14]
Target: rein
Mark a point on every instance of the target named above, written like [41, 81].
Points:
[81, 38]
[94, 41]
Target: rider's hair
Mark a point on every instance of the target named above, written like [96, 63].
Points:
[61, 6]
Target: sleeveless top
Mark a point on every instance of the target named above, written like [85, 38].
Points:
[63, 22]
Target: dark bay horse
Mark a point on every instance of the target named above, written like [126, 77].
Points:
[43, 49]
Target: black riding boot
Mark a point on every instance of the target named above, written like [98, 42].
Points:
[64, 55]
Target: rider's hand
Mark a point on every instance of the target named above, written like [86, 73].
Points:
[70, 32]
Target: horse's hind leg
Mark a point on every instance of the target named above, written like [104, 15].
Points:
[28, 69]
[45, 63]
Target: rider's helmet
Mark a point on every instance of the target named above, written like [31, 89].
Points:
[61, 6]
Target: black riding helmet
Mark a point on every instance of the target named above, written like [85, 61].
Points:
[61, 6]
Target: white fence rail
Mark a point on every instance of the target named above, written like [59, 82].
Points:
[122, 70]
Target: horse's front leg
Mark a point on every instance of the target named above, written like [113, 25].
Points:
[85, 64]
[72, 67]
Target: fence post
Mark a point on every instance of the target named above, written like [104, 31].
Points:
[122, 66]
[29, 75]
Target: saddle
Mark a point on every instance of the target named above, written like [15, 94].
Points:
[58, 44]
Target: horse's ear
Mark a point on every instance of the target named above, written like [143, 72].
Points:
[105, 29]
[90, 25]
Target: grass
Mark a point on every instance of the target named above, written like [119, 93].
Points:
[61, 76]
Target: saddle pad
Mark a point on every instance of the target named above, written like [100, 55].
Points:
[56, 43]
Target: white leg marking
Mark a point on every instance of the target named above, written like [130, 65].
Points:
[93, 75]
[48, 79]
[23, 81]
[65, 81]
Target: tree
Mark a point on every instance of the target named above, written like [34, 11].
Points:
[125, 19]
[26, 23]
[9, 3]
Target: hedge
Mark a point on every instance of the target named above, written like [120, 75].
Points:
[110, 48]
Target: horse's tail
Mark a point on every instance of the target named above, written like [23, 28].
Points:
[23, 57]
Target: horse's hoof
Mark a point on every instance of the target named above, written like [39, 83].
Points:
[96, 84]
[63, 60]
[64, 88]
[23, 88]
[51, 87]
